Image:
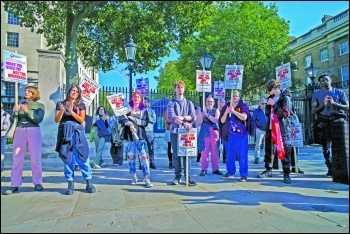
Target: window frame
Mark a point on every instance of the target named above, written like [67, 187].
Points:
[343, 47]
[307, 61]
[324, 55]
[12, 19]
[13, 38]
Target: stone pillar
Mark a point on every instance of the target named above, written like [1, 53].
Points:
[51, 80]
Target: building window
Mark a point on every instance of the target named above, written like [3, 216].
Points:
[294, 66]
[344, 70]
[344, 48]
[11, 19]
[324, 55]
[307, 61]
[13, 39]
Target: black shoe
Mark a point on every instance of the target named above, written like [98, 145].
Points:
[152, 165]
[203, 173]
[264, 174]
[191, 182]
[287, 180]
[38, 187]
[329, 173]
[218, 172]
[299, 171]
[89, 187]
[171, 166]
[11, 190]
[256, 161]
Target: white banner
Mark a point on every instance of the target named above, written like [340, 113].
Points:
[296, 135]
[187, 142]
[203, 81]
[233, 77]
[15, 67]
[283, 75]
[89, 90]
[118, 104]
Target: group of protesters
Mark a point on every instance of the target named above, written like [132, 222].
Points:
[227, 125]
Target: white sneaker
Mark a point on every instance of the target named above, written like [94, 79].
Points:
[2, 157]
[96, 166]
[148, 183]
[133, 181]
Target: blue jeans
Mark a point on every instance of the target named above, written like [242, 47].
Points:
[83, 166]
[133, 148]
[3, 148]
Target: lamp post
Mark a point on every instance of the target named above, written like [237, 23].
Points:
[130, 51]
[311, 72]
[205, 61]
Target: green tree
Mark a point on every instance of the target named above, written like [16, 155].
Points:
[244, 33]
[96, 31]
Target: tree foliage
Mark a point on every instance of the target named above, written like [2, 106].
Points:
[242, 33]
[98, 30]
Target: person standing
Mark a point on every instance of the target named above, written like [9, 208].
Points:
[72, 145]
[134, 135]
[152, 118]
[167, 139]
[328, 104]
[235, 136]
[260, 121]
[208, 138]
[182, 114]
[5, 126]
[101, 124]
[30, 114]
[281, 102]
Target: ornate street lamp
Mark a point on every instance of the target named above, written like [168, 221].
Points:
[130, 51]
[206, 63]
[311, 72]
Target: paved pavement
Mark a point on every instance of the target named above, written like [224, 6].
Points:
[312, 203]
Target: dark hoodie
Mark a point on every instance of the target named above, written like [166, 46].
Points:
[282, 109]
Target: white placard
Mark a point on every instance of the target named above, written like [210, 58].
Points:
[15, 67]
[203, 81]
[187, 142]
[283, 75]
[89, 90]
[233, 77]
[118, 104]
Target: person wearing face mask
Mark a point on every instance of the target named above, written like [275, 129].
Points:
[101, 123]
[328, 104]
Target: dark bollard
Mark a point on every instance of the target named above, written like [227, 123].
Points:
[340, 151]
